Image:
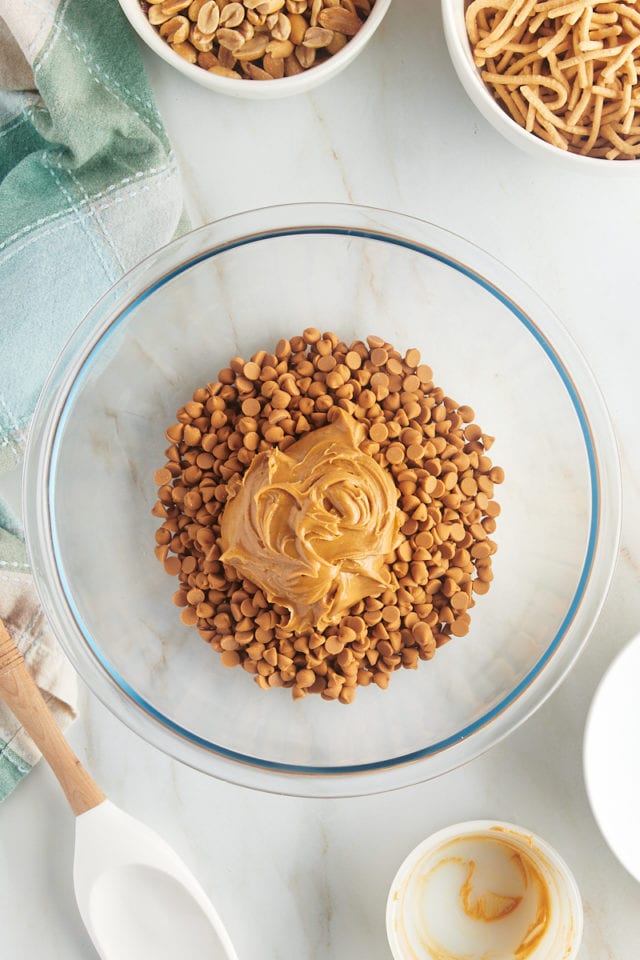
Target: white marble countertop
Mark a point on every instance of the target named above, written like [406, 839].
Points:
[303, 878]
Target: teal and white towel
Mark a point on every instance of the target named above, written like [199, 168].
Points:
[24, 620]
[88, 187]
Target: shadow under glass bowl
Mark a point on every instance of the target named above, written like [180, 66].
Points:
[234, 287]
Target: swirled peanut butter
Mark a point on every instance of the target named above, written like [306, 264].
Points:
[313, 526]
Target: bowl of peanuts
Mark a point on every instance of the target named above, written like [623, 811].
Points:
[236, 46]
[557, 79]
[322, 500]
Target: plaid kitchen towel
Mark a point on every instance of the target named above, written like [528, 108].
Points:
[88, 187]
[23, 618]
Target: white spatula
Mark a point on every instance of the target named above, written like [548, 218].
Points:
[136, 897]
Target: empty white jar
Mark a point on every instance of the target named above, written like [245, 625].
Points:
[484, 889]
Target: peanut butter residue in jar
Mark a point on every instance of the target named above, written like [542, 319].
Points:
[479, 896]
[315, 525]
[490, 906]
[487, 906]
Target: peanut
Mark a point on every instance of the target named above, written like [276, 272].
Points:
[258, 34]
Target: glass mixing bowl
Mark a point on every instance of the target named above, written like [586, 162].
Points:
[237, 286]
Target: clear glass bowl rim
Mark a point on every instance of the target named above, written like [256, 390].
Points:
[371, 223]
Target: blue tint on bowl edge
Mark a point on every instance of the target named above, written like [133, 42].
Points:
[573, 607]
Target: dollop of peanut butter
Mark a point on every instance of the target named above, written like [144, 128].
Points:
[313, 526]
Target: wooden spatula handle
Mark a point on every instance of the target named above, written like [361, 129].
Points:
[21, 694]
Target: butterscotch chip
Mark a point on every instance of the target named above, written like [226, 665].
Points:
[283, 349]
[204, 611]
[379, 379]
[326, 363]
[334, 645]
[251, 440]
[192, 501]
[395, 453]
[468, 486]
[189, 617]
[412, 357]
[405, 551]
[174, 432]
[161, 552]
[378, 432]
[230, 658]
[246, 424]
[172, 566]
[411, 383]
[191, 435]
[274, 434]
[457, 532]
[390, 615]
[353, 360]
[379, 356]
[280, 399]
[162, 476]
[251, 371]
[305, 678]
[366, 399]
[460, 601]
[251, 407]
[415, 451]
[355, 623]
[459, 627]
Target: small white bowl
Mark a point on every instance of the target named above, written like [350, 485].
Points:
[256, 89]
[460, 52]
[611, 760]
[484, 888]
